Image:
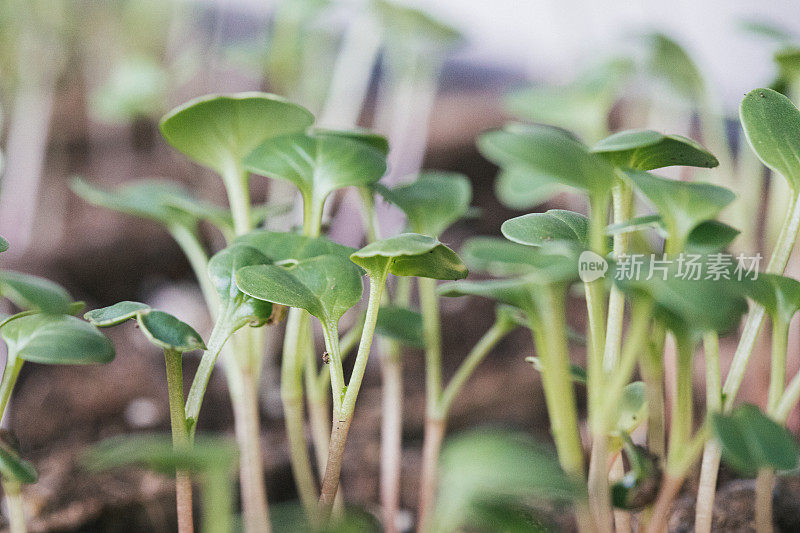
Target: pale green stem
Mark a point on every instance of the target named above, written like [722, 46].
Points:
[776, 265]
[681, 423]
[755, 317]
[487, 342]
[198, 260]
[10, 375]
[194, 401]
[432, 335]
[343, 413]
[16, 511]
[236, 184]
[376, 286]
[217, 504]
[652, 366]
[622, 200]
[330, 332]
[763, 504]
[297, 333]
[180, 437]
[777, 380]
[595, 301]
[704, 507]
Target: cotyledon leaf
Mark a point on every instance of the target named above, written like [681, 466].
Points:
[411, 254]
[56, 339]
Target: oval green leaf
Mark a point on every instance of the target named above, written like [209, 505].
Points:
[432, 202]
[12, 467]
[317, 164]
[218, 131]
[556, 226]
[779, 295]
[523, 188]
[287, 246]
[240, 308]
[326, 286]
[411, 254]
[648, 150]
[772, 125]
[169, 333]
[400, 324]
[115, 314]
[750, 440]
[56, 339]
[548, 151]
[34, 293]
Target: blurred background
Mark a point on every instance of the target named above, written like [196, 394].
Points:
[83, 84]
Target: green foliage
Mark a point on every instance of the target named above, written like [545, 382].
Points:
[670, 62]
[240, 308]
[577, 373]
[485, 466]
[400, 324]
[555, 226]
[3, 243]
[523, 188]
[56, 340]
[135, 88]
[750, 440]
[649, 150]
[326, 286]
[283, 246]
[411, 254]
[12, 467]
[162, 201]
[160, 328]
[317, 163]
[432, 202]
[772, 126]
[514, 292]
[34, 293]
[413, 29]
[682, 205]
[218, 131]
[548, 151]
[685, 305]
[115, 314]
[639, 487]
[498, 256]
[779, 295]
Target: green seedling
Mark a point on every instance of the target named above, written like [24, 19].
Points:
[772, 126]
[174, 338]
[212, 461]
[43, 332]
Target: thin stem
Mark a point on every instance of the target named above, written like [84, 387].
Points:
[194, 401]
[292, 399]
[551, 339]
[180, 437]
[763, 503]
[432, 444]
[16, 510]
[432, 335]
[704, 507]
[777, 380]
[244, 396]
[621, 195]
[198, 260]
[10, 375]
[236, 184]
[217, 505]
[652, 367]
[776, 265]
[343, 413]
[490, 339]
[391, 432]
[338, 389]
[681, 423]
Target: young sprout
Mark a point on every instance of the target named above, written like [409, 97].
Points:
[432, 203]
[772, 126]
[174, 338]
[218, 132]
[55, 339]
[211, 460]
[318, 163]
[780, 297]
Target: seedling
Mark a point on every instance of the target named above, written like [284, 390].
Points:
[175, 338]
[43, 333]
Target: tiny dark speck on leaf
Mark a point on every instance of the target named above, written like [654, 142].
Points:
[762, 95]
